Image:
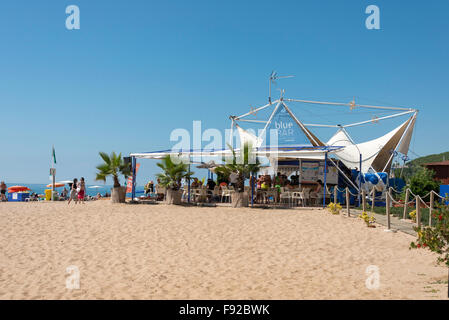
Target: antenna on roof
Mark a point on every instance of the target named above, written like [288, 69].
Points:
[273, 77]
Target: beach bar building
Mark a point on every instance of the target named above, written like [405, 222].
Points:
[290, 146]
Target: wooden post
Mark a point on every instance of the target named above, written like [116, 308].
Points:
[373, 200]
[347, 202]
[335, 193]
[363, 200]
[387, 208]
[407, 194]
[418, 211]
[431, 207]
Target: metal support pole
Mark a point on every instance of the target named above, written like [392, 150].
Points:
[387, 208]
[335, 193]
[418, 211]
[373, 200]
[188, 186]
[133, 189]
[363, 201]
[252, 189]
[347, 202]
[325, 182]
[360, 174]
[53, 184]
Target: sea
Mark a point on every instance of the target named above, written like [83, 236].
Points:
[103, 189]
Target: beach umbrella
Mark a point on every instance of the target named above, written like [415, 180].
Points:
[57, 185]
[209, 165]
[18, 189]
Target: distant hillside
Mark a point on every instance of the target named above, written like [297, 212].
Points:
[430, 158]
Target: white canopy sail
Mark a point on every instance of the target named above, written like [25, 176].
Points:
[377, 153]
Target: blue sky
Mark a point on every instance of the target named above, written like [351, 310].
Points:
[136, 70]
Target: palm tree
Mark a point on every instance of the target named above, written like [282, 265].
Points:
[244, 164]
[173, 173]
[222, 173]
[113, 165]
[171, 177]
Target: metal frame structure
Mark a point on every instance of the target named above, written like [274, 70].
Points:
[318, 148]
[400, 111]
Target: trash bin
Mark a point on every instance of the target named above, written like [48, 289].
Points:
[48, 194]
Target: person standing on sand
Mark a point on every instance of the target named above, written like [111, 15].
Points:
[3, 191]
[73, 193]
[81, 190]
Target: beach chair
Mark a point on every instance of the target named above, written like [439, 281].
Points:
[199, 195]
[226, 193]
[216, 193]
[306, 195]
[285, 195]
[298, 196]
[270, 194]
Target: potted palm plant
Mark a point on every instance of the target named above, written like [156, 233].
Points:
[244, 164]
[114, 165]
[171, 177]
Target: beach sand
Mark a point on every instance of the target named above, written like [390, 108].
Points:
[170, 252]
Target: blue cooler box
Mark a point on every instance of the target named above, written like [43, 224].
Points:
[18, 196]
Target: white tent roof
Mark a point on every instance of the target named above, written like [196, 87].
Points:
[375, 153]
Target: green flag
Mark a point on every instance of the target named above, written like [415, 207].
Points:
[54, 155]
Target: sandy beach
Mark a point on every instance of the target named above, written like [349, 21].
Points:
[171, 252]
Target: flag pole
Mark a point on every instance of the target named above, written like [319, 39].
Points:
[53, 174]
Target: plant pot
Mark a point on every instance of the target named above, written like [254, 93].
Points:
[173, 196]
[239, 199]
[118, 194]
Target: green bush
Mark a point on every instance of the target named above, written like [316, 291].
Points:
[421, 183]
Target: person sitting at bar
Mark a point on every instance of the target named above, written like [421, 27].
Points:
[195, 184]
[316, 193]
[259, 182]
[288, 185]
[149, 187]
[210, 184]
[277, 180]
[265, 182]
[294, 180]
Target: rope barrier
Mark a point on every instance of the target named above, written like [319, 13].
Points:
[393, 189]
[374, 197]
[420, 199]
[415, 195]
[442, 198]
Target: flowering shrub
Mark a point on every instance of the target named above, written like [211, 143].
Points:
[369, 220]
[436, 239]
[334, 208]
[413, 215]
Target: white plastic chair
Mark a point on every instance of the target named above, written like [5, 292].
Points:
[225, 193]
[299, 197]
